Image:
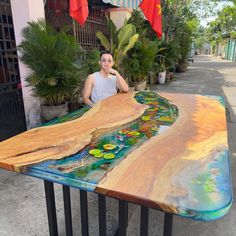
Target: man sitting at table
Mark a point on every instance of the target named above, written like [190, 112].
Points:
[104, 83]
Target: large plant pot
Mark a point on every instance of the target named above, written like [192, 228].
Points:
[181, 68]
[162, 77]
[131, 88]
[152, 79]
[169, 75]
[140, 86]
[51, 112]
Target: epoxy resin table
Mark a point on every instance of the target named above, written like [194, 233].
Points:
[164, 151]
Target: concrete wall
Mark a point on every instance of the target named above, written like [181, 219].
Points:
[24, 11]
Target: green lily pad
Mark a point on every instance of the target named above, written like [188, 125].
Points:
[152, 109]
[109, 146]
[155, 129]
[109, 156]
[145, 118]
[123, 131]
[94, 151]
[134, 133]
[99, 155]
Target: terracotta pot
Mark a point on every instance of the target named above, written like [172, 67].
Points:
[169, 76]
[51, 112]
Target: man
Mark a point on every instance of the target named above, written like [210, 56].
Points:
[104, 83]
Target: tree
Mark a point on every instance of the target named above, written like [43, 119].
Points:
[223, 25]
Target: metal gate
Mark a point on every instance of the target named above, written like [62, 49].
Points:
[12, 115]
[57, 15]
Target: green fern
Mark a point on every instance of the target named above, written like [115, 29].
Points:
[51, 56]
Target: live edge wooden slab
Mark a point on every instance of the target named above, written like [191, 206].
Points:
[167, 152]
[58, 141]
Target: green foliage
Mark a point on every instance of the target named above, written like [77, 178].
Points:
[142, 26]
[50, 55]
[140, 60]
[138, 21]
[175, 13]
[169, 56]
[91, 62]
[223, 25]
[184, 38]
[233, 35]
[200, 37]
[119, 41]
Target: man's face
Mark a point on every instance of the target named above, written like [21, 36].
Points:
[106, 62]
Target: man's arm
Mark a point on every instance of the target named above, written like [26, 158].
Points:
[88, 86]
[121, 83]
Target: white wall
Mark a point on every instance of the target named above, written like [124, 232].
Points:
[24, 11]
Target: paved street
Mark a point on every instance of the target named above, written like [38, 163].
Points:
[22, 203]
[207, 75]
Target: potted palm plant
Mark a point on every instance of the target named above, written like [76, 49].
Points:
[162, 70]
[139, 62]
[185, 40]
[51, 57]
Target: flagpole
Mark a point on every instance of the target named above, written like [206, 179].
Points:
[75, 34]
[74, 30]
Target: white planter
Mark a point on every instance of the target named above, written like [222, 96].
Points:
[51, 112]
[162, 77]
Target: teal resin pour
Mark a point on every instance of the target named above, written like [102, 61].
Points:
[87, 167]
[209, 188]
[218, 98]
[69, 117]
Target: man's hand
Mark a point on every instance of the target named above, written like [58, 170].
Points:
[121, 83]
[112, 71]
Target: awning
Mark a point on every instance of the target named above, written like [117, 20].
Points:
[133, 4]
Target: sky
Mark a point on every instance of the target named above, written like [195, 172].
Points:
[219, 7]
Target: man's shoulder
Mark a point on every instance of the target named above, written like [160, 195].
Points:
[92, 76]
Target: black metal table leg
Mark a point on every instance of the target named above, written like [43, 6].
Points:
[144, 221]
[168, 224]
[51, 208]
[67, 210]
[84, 212]
[102, 215]
[123, 218]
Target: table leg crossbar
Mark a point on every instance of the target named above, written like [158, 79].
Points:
[123, 214]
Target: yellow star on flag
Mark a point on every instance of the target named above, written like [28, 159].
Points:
[159, 7]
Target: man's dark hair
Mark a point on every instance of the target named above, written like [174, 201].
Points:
[105, 52]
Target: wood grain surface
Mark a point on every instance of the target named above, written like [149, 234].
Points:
[58, 141]
[147, 175]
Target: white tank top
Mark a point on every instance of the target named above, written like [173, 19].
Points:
[103, 87]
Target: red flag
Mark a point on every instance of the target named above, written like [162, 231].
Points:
[79, 10]
[152, 10]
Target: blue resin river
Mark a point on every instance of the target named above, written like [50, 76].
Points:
[87, 167]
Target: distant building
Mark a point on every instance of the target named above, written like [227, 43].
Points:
[206, 48]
